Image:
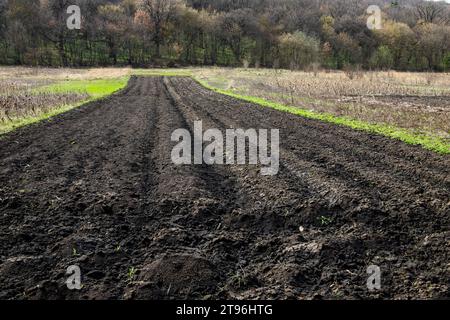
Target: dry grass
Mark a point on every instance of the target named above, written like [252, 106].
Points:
[334, 84]
[20, 98]
[23, 105]
[37, 75]
[416, 101]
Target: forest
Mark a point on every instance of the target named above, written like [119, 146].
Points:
[290, 34]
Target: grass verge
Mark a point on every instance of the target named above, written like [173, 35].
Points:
[96, 89]
[428, 142]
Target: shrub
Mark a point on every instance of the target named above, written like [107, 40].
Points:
[446, 62]
[297, 50]
[382, 58]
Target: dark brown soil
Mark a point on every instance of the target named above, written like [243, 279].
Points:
[96, 187]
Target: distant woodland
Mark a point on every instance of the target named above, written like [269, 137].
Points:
[291, 34]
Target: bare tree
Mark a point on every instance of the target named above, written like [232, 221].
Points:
[2, 16]
[339, 9]
[159, 12]
[431, 13]
[54, 29]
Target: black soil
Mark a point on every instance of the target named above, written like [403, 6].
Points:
[95, 187]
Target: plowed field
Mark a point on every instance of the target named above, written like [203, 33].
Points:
[96, 187]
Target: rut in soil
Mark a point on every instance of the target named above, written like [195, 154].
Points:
[96, 187]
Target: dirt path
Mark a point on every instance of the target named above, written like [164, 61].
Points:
[96, 187]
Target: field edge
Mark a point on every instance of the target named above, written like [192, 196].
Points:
[426, 141]
[429, 142]
[119, 84]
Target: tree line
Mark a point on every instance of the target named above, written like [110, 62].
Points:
[295, 34]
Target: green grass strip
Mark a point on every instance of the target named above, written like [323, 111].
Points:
[428, 142]
[96, 89]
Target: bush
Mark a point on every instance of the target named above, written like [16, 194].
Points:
[297, 50]
[382, 58]
[446, 62]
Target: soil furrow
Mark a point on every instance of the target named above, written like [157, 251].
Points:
[363, 172]
[96, 187]
[376, 148]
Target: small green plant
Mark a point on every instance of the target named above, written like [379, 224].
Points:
[239, 279]
[74, 252]
[324, 221]
[131, 273]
